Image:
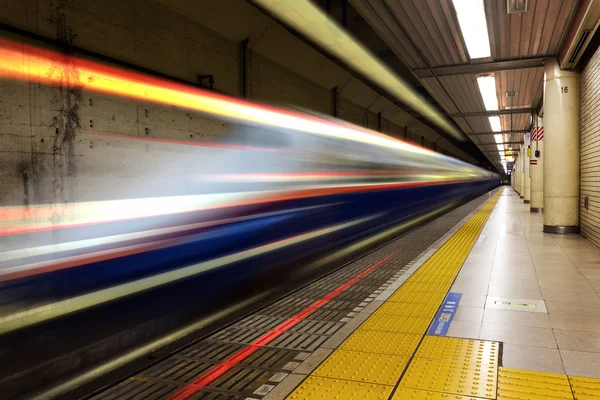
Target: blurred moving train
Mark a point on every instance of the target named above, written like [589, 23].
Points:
[279, 187]
[278, 191]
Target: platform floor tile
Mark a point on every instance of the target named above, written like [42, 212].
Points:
[414, 394]
[464, 350]
[585, 388]
[363, 367]
[451, 377]
[517, 384]
[392, 343]
[315, 387]
[389, 323]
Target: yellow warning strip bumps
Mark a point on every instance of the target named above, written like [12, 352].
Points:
[369, 364]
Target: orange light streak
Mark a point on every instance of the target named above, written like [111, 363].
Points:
[29, 63]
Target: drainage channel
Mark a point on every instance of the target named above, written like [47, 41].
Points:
[256, 375]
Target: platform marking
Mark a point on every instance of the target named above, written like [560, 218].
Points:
[444, 317]
[218, 370]
[508, 303]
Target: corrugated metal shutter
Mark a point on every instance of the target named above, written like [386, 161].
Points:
[589, 192]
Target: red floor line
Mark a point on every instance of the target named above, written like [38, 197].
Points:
[218, 370]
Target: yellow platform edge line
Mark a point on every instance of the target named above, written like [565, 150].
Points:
[441, 267]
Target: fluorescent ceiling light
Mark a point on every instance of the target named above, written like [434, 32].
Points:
[498, 138]
[500, 147]
[471, 18]
[495, 123]
[487, 88]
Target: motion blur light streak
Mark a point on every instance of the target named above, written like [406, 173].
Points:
[23, 270]
[60, 247]
[24, 62]
[25, 220]
[186, 142]
[35, 315]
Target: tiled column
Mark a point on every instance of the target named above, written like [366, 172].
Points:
[561, 137]
[526, 173]
[517, 172]
[522, 172]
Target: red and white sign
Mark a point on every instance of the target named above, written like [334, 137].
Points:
[532, 162]
[537, 133]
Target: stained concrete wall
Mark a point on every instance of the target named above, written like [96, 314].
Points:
[53, 147]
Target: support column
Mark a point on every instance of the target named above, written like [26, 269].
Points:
[537, 168]
[517, 171]
[522, 172]
[512, 178]
[526, 172]
[561, 131]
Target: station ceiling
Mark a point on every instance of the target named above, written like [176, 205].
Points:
[426, 37]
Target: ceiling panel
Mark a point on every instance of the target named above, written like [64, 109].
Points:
[479, 124]
[430, 25]
[437, 91]
[429, 31]
[379, 17]
[535, 33]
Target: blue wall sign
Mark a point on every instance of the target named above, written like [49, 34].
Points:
[444, 316]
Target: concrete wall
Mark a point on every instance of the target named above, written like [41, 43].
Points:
[53, 147]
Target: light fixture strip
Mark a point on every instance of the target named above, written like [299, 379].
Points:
[473, 25]
[495, 124]
[487, 88]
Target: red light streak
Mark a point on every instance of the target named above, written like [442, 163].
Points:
[218, 370]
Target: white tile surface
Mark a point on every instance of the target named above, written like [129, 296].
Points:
[517, 262]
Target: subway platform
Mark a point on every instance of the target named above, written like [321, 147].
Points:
[494, 309]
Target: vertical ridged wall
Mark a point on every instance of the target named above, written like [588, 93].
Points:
[590, 151]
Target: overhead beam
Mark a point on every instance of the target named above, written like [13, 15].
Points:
[481, 68]
[497, 151]
[502, 143]
[520, 110]
[499, 133]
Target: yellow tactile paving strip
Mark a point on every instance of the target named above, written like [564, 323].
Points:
[363, 367]
[585, 388]
[389, 355]
[393, 343]
[520, 384]
[455, 377]
[404, 393]
[463, 350]
[315, 387]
